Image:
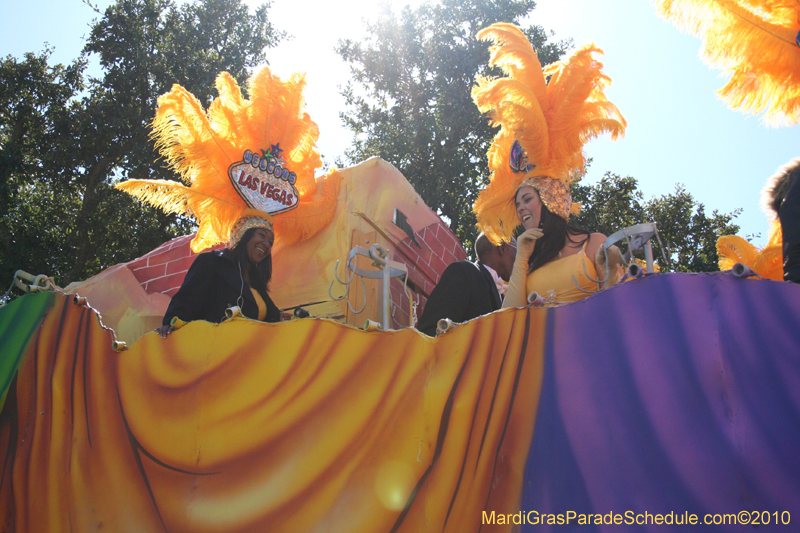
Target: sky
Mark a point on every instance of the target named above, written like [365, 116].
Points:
[678, 131]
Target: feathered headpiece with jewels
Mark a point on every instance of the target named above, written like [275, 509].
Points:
[543, 126]
[244, 160]
[757, 42]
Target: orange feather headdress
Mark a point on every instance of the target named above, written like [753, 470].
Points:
[543, 125]
[757, 42]
[241, 158]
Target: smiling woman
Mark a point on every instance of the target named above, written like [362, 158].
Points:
[545, 117]
[250, 168]
[555, 259]
[236, 277]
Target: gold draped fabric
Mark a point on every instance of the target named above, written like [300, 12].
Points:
[244, 426]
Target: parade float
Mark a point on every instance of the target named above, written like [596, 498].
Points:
[666, 400]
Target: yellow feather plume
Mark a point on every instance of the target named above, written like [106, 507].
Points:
[201, 145]
[551, 121]
[766, 262]
[169, 196]
[514, 56]
[757, 42]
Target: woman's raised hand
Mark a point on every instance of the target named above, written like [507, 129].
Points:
[516, 296]
[527, 241]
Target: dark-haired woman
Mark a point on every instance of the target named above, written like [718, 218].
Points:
[554, 259]
[238, 276]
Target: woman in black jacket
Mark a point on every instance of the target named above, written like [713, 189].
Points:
[238, 276]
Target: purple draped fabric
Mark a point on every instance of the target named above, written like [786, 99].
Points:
[675, 393]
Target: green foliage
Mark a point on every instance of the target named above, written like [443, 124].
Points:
[409, 99]
[687, 232]
[36, 197]
[409, 102]
[65, 140]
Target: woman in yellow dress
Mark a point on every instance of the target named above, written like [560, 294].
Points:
[554, 259]
[545, 117]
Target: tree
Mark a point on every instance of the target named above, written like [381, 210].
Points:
[38, 102]
[687, 232]
[78, 137]
[409, 99]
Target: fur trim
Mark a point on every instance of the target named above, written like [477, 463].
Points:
[777, 185]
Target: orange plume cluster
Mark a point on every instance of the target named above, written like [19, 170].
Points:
[200, 146]
[551, 120]
[766, 262]
[756, 42]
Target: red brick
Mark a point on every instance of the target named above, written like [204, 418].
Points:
[449, 257]
[408, 251]
[165, 284]
[420, 284]
[447, 239]
[401, 302]
[438, 265]
[424, 253]
[418, 279]
[177, 242]
[411, 271]
[428, 286]
[428, 273]
[145, 274]
[399, 305]
[172, 292]
[169, 255]
[415, 267]
[162, 248]
[411, 260]
[137, 263]
[395, 295]
[460, 254]
[398, 287]
[181, 265]
[436, 247]
[400, 320]
[457, 247]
